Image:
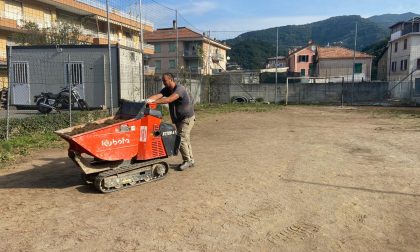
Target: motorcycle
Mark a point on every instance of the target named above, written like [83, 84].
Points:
[47, 102]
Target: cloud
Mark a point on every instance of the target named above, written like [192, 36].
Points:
[198, 8]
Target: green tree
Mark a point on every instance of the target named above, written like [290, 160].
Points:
[58, 34]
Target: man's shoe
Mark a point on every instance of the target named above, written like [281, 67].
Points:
[185, 165]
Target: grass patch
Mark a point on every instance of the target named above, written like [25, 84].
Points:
[229, 108]
[37, 132]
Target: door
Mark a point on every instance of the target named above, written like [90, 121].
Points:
[74, 75]
[20, 83]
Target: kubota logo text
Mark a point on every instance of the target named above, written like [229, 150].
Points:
[115, 142]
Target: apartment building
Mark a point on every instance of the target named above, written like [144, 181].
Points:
[404, 52]
[89, 15]
[197, 53]
[339, 61]
[300, 61]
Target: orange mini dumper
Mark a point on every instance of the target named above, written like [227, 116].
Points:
[126, 153]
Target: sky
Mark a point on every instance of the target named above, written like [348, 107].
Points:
[238, 16]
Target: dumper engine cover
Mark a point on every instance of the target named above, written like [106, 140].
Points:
[170, 139]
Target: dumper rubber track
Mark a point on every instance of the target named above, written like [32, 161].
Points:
[131, 175]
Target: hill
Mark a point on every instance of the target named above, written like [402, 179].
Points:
[387, 20]
[251, 49]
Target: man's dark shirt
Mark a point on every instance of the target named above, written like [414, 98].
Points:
[182, 107]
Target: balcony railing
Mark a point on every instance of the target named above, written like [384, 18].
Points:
[114, 10]
[22, 19]
[149, 70]
[3, 55]
[148, 46]
[190, 54]
[217, 57]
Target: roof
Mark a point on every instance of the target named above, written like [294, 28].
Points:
[302, 48]
[169, 34]
[339, 53]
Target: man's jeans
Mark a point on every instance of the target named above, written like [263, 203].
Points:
[183, 130]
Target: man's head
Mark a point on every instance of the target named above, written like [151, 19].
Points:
[168, 80]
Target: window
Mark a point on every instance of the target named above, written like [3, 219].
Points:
[303, 58]
[157, 48]
[73, 73]
[158, 65]
[403, 65]
[405, 44]
[172, 47]
[396, 47]
[358, 68]
[302, 72]
[172, 64]
[394, 66]
[13, 10]
[20, 72]
[47, 18]
[417, 86]
[418, 63]
[128, 35]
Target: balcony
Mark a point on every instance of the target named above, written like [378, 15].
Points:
[195, 70]
[217, 57]
[190, 54]
[148, 49]
[15, 21]
[117, 16]
[149, 70]
[406, 28]
[3, 56]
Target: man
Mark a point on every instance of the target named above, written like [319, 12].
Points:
[181, 108]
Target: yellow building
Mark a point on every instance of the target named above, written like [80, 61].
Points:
[89, 15]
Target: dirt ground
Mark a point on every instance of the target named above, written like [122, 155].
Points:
[297, 179]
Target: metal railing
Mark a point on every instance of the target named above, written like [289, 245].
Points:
[217, 57]
[190, 53]
[149, 70]
[102, 6]
[21, 19]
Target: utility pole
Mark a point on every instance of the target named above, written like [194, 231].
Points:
[109, 58]
[176, 29]
[277, 55]
[142, 79]
[354, 66]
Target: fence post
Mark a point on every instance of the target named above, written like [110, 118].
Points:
[69, 82]
[342, 91]
[287, 91]
[9, 89]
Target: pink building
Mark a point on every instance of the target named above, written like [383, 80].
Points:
[301, 61]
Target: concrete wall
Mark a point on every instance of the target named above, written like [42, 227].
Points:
[223, 89]
[130, 75]
[153, 85]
